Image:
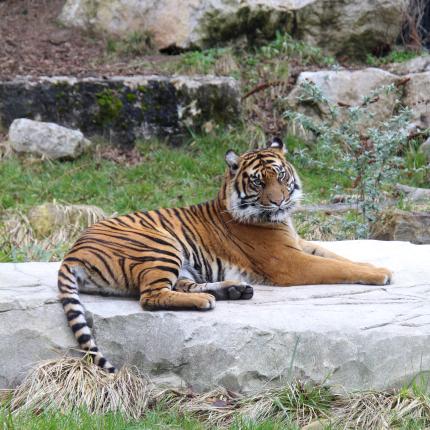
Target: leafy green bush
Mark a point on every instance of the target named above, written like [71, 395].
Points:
[368, 156]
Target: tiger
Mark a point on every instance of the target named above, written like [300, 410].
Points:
[187, 258]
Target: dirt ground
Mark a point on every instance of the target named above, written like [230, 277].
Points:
[33, 42]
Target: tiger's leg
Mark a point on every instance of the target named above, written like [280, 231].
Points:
[156, 293]
[305, 269]
[225, 290]
[320, 251]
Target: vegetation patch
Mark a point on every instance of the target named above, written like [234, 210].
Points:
[72, 393]
[110, 106]
[155, 174]
[133, 44]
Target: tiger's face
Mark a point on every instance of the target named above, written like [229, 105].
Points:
[261, 186]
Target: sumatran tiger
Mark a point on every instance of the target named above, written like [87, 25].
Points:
[190, 257]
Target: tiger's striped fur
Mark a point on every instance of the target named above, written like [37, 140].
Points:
[187, 258]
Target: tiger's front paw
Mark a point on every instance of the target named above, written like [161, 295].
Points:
[380, 276]
[203, 301]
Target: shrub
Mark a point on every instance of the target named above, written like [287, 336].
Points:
[368, 155]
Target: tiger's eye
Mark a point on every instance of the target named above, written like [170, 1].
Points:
[281, 175]
[257, 181]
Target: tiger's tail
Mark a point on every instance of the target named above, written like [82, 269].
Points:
[75, 313]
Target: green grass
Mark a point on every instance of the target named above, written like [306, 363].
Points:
[270, 62]
[399, 55]
[81, 420]
[168, 176]
[155, 419]
[132, 44]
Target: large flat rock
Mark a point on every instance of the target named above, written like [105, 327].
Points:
[358, 336]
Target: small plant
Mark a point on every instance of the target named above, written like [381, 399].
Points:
[110, 106]
[367, 155]
[304, 401]
[133, 44]
[284, 45]
[395, 56]
[202, 61]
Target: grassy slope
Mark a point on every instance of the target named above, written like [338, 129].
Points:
[168, 176]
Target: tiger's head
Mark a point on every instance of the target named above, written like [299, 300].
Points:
[261, 185]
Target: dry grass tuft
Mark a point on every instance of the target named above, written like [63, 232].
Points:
[46, 231]
[5, 395]
[217, 407]
[296, 403]
[72, 383]
[68, 384]
[382, 410]
[6, 150]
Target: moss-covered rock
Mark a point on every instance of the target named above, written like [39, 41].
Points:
[123, 109]
[395, 224]
[49, 218]
[351, 27]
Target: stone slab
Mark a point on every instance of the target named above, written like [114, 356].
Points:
[357, 336]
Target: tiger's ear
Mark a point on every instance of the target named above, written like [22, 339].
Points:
[276, 142]
[232, 160]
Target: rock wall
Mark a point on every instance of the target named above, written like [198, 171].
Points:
[123, 108]
[352, 27]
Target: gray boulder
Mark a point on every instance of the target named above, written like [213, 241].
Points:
[425, 148]
[343, 27]
[401, 225]
[351, 27]
[46, 139]
[344, 89]
[417, 97]
[419, 195]
[416, 65]
[358, 336]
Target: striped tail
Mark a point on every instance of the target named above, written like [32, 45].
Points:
[75, 313]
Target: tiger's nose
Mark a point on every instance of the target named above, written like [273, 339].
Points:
[277, 201]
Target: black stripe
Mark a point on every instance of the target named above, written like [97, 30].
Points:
[83, 338]
[130, 217]
[78, 326]
[72, 314]
[65, 289]
[164, 222]
[62, 275]
[106, 263]
[148, 215]
[219, 278]
[124, 274]
[68, 269]
[159, 280]
[173, 270]
[69, 301]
